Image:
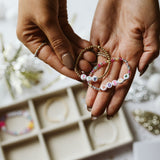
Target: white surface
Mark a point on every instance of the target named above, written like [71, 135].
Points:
[146, 150]
[84, 10]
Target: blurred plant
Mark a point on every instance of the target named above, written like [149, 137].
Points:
[17, 69]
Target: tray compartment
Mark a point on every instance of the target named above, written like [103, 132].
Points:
[16, 123]
[61, 107]
[66, 144]
[27, 150]
[108, 134]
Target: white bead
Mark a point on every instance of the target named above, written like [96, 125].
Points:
[120, 80]
[94, 79]
[114, 83]
[83, 77]
[103, 87]
[109, 85]
[12, 114]
[3, 128]
[25, 114]
[89, 78]
[126, 76]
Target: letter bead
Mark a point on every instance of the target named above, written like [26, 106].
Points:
[103, 87]
[109, 85]
[83, 77]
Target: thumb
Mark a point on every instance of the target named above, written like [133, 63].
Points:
[59, 42]
[151, 49]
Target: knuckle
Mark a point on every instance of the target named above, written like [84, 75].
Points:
[24, 36]
[45, 21]
[59, 45]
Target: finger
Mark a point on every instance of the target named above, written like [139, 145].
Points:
[58, 41]
[91, 93]
[103, 98]
[85, 66]
[151, 48]
[120, 91]
[47, 55]
[89, 56]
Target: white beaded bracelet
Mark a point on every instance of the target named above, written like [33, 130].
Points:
[48, 104]
[114, 82]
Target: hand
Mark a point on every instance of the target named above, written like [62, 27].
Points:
[46, 21]
[128, 29]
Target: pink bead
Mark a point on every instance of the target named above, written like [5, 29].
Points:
[114, 83]
[112, 60]
[2, 124]
[99, 65]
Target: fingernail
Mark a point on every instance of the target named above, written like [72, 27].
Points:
[68, 61]
[109, 117]
[89, 108]
[142, 72]
[93, 117]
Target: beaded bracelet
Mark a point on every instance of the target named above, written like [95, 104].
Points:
[97, 67]
[108, 126]
[48, 104]
[114, 82]
[84, 76]
[23, 113]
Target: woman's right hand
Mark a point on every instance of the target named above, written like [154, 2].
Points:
[46, 21]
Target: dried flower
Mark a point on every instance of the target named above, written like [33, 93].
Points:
[18, 69]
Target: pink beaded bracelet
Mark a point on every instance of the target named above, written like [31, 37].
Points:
[25, 114]
[114, 82]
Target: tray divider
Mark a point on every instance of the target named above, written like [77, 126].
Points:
[72, 98]
[44, 147]
[85, 135]
[19, 139]
[40, 136]
[2, 153]
[33, 113]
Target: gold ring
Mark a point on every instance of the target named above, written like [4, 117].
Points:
[39, 48]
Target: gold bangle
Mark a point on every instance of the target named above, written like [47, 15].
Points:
[100, 51]
[48, 104]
